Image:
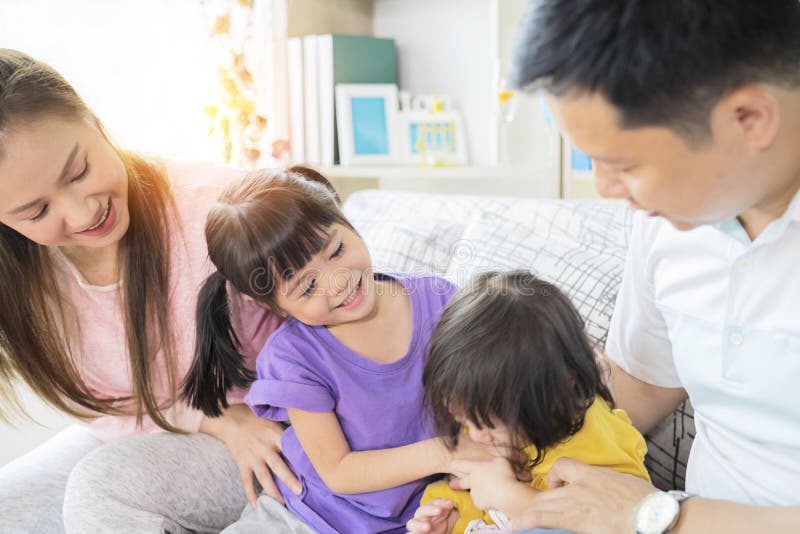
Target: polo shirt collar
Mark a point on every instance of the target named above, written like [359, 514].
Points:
[793, 211]
[733, 228]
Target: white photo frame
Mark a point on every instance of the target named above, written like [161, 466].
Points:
[366, 122]
[441, 128]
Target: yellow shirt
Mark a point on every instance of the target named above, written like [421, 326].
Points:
[606, 439]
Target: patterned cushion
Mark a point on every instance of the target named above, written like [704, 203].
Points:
[579, 245]
[406, 233]
[668, 448]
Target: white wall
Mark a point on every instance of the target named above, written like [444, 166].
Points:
[24, 435]
[460, 48]
[445, 47]
[146, 67]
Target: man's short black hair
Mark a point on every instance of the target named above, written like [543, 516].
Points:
[659, 62]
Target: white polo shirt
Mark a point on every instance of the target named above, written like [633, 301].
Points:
[713, 312]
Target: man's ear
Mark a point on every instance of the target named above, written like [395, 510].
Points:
[753, 112]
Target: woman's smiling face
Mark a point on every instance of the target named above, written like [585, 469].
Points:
[62, 184]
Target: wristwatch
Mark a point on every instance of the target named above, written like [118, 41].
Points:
[658, 512]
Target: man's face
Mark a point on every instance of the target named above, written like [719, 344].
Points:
[656, 170]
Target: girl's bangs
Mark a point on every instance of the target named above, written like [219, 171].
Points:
[283, 241]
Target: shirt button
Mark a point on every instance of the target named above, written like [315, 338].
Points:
[746, 265]
[736, 339]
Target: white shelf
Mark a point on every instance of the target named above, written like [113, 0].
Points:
[435, 173]
[475, 180]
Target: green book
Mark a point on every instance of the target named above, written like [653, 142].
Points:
[348, 59]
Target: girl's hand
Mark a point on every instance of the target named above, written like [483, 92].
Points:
[467, 449]
[255, 445]
[489, 482]
[434, 517]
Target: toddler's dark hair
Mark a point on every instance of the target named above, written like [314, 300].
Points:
[511, 346]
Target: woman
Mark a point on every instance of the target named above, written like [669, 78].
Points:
[101, 257]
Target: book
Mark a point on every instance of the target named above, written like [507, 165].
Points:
[311, 99]
[347, 59]
[296, 105]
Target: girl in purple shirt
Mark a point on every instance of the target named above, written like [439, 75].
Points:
[345, 367]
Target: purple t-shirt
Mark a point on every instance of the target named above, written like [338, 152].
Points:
[379, 406]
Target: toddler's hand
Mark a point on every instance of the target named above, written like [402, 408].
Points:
[432, 517]
[487, 481]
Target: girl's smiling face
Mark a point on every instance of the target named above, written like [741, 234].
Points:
[335, 287]
[62, 184]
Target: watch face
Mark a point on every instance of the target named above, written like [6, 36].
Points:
[655, 513]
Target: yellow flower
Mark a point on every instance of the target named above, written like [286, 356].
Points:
[222, 25]
[245, 76]
[247, 106]
[211, 111]
[229, 87]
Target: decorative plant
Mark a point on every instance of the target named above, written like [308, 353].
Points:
[235, 118]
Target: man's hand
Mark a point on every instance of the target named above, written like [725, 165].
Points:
[255, 445]
[584, 498]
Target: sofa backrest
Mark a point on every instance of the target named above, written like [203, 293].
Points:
[579, 245]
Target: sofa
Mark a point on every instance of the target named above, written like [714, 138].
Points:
[578, 245]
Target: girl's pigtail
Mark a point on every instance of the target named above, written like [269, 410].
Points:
[217, 365]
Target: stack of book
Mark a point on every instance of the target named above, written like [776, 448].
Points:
[317, 63]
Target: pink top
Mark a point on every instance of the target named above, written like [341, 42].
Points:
[103, 351]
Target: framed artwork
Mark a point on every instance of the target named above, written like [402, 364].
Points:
[366, 121]
[577, 176]
[432, 138]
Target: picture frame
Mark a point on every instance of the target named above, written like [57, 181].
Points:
[366, 122]
[444, 136]
[577, 175]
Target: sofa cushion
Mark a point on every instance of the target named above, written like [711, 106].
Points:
[580, 246]
[407, 233]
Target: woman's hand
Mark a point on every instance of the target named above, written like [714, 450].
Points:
[255, 445]
[434, 517]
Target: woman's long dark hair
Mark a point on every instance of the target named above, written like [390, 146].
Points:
[264, 228]
[37, 324]
[512, 347]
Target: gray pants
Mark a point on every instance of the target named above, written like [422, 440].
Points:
[158, 483]
[269, 513]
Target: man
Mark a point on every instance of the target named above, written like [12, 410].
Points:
[690, 110]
